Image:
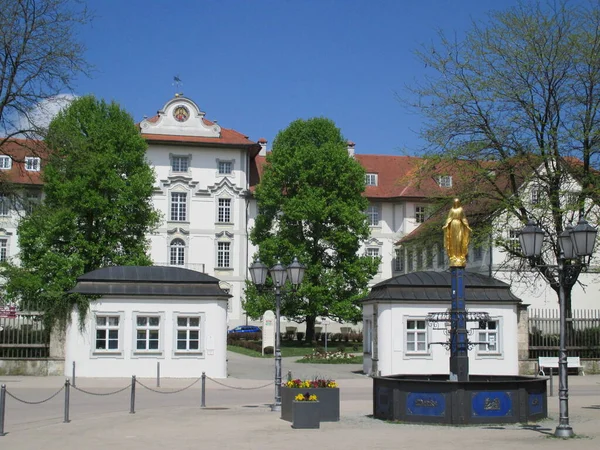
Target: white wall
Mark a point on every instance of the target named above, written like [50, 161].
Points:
[80, 345]
[391, 337]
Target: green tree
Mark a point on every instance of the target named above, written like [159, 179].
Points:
[96, 212]
[311, 206]
[518, 98]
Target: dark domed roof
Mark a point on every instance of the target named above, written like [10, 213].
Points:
[149, 281]
[435, 286]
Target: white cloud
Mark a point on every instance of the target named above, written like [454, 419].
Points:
[40, 115]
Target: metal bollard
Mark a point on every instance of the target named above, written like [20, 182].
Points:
[157, 373]
[2, 406]
[551, 382]
[67, 400]
[73, 378]
[203, 399]
[132, 401]
[289, 375]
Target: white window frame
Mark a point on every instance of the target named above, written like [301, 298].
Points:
[419, 214]
[5, 205]
[419, 258]
[177, 248]
[483, 335]
[224, 212]
[226, 253]
[180, 159]
[32, 163]
[109, 353]
[399, 260]
[374, 252]
[223, 163]
[3, 249]
[513, 241]
[445, 181]
[373, 212]
[371, 179]
[178, 214]
[429, 257]
[153, 353]
[5, 162]
[193, 353]
[536, 194]
[415, 332]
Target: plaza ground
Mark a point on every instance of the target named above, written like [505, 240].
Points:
[238, 415]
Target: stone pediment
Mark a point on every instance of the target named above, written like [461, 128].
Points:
[180, 117]
[225, 184]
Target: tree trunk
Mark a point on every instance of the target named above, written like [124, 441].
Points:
[310, 328]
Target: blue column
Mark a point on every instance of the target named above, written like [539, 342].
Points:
[459, 353]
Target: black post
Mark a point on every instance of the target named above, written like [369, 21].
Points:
[277, 405]
[157, 373]
[73, 378]
[459, 354]
[132, 400]
[203, 399]
[2, 407]
[67, 400]
[551, 382]
[563, 429]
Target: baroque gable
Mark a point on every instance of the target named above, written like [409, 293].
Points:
[180, 117]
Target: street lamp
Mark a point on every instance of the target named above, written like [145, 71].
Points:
[279, 274]
[576, 245]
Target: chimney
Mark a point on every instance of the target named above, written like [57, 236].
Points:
[351, 149]
[263, 147]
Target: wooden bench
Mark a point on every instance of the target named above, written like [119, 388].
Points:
[551, 362]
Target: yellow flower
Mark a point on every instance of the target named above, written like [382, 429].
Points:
[312, 398]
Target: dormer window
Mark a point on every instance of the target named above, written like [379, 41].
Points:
[32, 164]
[445, 181]
[371, 179]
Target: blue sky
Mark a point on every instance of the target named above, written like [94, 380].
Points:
[257, 65]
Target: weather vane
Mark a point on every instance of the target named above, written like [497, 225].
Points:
[177, 83]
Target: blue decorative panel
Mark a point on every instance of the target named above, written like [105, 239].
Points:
[382, 407]
[536, 403]
[491, 404]
[425, 404]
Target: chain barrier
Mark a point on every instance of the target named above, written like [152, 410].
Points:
[240, 388]
[100, 394]
[167, 392]
[35, 403]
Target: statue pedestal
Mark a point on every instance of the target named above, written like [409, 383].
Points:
[459, 347]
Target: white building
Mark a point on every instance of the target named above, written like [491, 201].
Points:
[205, 175]
[399, 339]
[146, 316]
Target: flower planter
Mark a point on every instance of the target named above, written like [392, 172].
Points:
[305, 414]
[329, 402]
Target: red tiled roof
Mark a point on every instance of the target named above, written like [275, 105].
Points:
[228, 137]
[18, 149]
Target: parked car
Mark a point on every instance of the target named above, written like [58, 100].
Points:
[245, 329]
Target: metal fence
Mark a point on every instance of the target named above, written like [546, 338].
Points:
[583, 333]
[23, 336]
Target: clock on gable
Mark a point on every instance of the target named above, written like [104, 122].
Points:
[181, 113]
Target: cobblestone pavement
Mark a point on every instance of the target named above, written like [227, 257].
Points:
[235, 416]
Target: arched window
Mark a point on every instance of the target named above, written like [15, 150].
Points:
[177, 253]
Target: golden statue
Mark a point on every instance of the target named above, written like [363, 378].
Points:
[456, 235]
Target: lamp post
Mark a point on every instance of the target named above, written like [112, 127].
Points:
[279, 274]
[576, 245]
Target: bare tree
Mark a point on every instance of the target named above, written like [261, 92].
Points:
[519, 99]
[40, 57]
